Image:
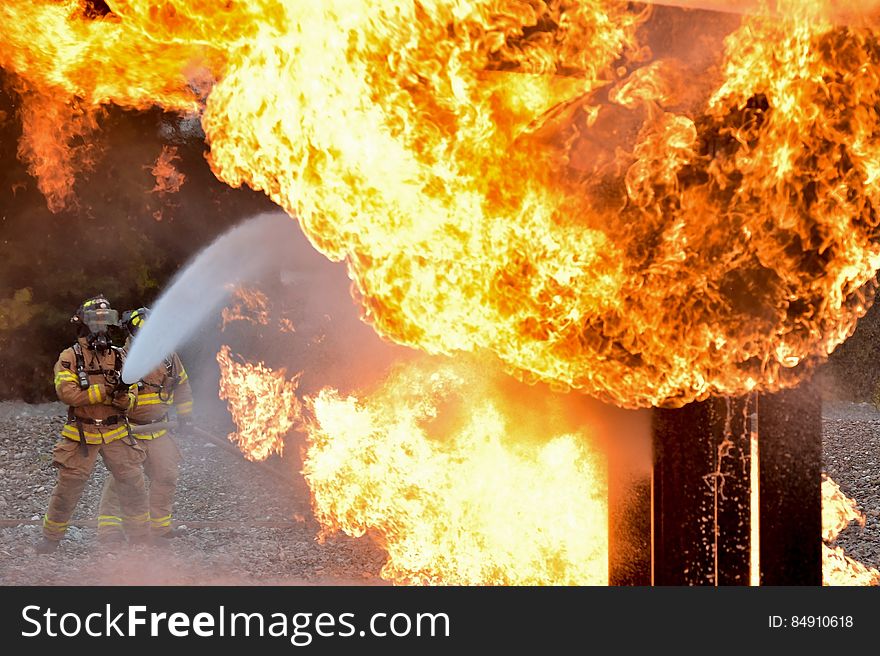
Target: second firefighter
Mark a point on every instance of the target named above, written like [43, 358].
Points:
[164, 387]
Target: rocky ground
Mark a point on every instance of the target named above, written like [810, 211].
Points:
[217, 485]
[851, 454]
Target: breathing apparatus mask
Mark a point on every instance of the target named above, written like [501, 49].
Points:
[93, 320]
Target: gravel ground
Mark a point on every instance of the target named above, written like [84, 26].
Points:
[218, 484]
[851, 454]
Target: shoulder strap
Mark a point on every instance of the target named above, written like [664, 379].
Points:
[81, 374]
[119, 359]
[80, 360]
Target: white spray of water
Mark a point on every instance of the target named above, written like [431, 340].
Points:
[199, 290]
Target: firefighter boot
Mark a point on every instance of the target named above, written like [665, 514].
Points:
[170, 534]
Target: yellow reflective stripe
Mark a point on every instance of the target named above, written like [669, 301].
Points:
[150, 399]
[49, 522]
[63, 376]
[161, 519]
[109, 520]
[185, 408]
[150, 436]
[71, 432]
[58, 527]
[183, 377]
[96, 395]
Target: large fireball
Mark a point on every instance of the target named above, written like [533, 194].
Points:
[523, 177]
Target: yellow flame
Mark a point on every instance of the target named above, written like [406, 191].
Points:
[515, 176]
[263, 404]
[459, 483]
[838, 510]
[520, 176]
[455, 485]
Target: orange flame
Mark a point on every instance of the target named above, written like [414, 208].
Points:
[519, 177]
[263, 404]
[169, 179]
[459, 484]
[250, 305]
[67, 65]
[441, 466]
[838, 511]
[722, 248]
[49, 129]
[512, 176]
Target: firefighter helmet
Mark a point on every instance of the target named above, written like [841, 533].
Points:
[93, 319]
[133, 320]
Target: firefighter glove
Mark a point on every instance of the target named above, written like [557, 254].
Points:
[122, 400]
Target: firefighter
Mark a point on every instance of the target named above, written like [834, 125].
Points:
[88, 379]
[164, 387]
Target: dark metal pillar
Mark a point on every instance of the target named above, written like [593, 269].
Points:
[701, 494]
[703, 478]
[790, 448]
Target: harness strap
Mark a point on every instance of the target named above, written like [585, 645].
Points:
[119, 357]
[80, 360]
[167, 387]
[112, 420]
[83, 446]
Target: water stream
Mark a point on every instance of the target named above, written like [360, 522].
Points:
[203, 286]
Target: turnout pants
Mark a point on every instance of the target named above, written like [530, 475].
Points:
[75, 465]
[161, 467]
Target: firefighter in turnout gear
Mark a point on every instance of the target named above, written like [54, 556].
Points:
[88, 380]
[164, 387]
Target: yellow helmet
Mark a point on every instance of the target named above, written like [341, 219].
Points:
[133, 320]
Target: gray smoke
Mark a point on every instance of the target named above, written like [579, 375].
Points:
[202, 288]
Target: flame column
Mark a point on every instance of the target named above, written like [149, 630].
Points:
[736, 491]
